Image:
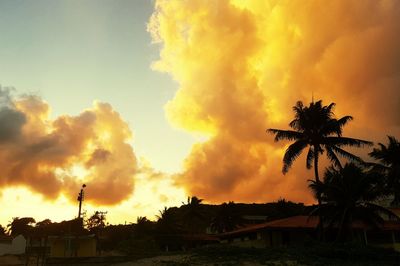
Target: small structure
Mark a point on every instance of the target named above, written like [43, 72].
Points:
[12, 246]
[60, 240]
[297, 230]
[72, 246]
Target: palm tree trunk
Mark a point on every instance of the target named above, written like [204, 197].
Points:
[320, 225]
[316, 173]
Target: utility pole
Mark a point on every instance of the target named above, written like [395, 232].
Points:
[80, 199]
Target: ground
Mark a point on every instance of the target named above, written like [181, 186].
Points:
[221, 255]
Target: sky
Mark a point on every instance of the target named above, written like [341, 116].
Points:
[148, 102]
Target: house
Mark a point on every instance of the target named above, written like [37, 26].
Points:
[65, 239]
[72, 246]
[297, 230]
[12, 246]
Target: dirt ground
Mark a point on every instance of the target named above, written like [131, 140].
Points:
[186, 260]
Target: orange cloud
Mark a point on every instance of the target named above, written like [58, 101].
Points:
[42, 153]
[242, 65]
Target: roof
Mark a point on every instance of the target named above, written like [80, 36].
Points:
[92, 236]
[201, 237]
[303, 222]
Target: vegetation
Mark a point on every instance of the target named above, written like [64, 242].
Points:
[20, 225]
[313, 254]
[317, 128]
[347, 195]
[96, 222]
[389, 166]
[226, 219]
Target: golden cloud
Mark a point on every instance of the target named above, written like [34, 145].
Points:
[57, 156]
[242, 65]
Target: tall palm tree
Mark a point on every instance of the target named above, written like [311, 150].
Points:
[389, 158]
[317, 128]
[347, 195]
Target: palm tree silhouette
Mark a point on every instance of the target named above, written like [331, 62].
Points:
[167, 228]
[20, 225]
[192, 213]
[226, 219]
[316, 127]
[167, 221]
[2, 231]
[347, 195]
[389, 158]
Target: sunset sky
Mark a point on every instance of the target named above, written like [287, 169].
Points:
[148, 102]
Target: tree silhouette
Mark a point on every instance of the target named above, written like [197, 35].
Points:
[44, 223]
[347, 195]
[316, 127]
[167, 221]
[20, 225]
[96, 222]
[389, 158]
[192, 214]
[226, 219]
[143, 227]
[168, 229]
[2, 231]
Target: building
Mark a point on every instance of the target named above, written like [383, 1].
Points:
[297, 230]
[72, 246]
[12, 246]
[61, 240]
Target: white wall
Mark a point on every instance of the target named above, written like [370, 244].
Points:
[17, 246]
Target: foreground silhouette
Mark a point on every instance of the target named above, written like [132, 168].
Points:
[389, 167]
[347, 196]
[316, 127]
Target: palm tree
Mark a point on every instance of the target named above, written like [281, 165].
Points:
[168, 229]
[316, 127]
[347, 195]
[192, 213]
[167, 222]
[2, 231]
[143, 227]
[389, 158]
[226, 219]
[20, 225]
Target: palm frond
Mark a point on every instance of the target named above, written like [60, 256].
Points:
[291, 154]
[346, 154]
[332, 157]
[343, 141]
[285, 134]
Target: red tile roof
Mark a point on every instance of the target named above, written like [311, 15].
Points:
[303, 222]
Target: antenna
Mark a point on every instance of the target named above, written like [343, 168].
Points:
[312, 96]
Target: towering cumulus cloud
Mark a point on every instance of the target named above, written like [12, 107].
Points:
[56, 156]
[242, 65]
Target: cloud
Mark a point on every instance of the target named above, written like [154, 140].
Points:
[55, 156]
[242, 65]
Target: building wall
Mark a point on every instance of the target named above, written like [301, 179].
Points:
[5, 248]
[16, 247]
[79, 247]
[87, 248]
